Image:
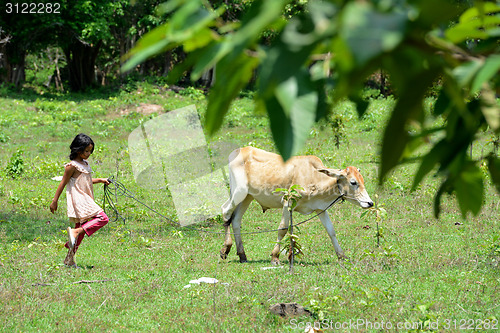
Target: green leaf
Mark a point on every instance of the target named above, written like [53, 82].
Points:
[429, 162]
[408, 107]
[208, 57]
[481, 9]
[478, 22]
[361, 104]
[295, 46]
[435, 12]
[296, 188]
[444, 188]
[469, 188]
[188, 25]
[443, 103]
[461, 32]
[490, 109]
[292, 111]
[201, 39]
[232, 76]
[466, 72]
[152, 43]
[369, 33]
[489, 70]
[169, 6]
[260, 15]
[494, 168]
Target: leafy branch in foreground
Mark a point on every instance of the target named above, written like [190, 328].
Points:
[380, 214]
[290, 243]
[330, 48]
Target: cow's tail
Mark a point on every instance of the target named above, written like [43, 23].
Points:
[228, 222]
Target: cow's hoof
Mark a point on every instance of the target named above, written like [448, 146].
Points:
[243, 258]
[225, 251]
[275, 262]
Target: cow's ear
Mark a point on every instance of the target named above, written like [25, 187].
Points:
[334, 173]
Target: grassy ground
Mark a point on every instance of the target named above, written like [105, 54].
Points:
[427, 274]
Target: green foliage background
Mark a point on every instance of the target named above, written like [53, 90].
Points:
[325, 53]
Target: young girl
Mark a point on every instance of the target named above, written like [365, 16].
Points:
[87, 216]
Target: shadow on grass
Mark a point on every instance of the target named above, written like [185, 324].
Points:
[31, 95]
[283, 264]
[24, 227]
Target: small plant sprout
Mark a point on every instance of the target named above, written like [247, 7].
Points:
[380, 214]
[290, 196]
[291, 246]
[290, 242]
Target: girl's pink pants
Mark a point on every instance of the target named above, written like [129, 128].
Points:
[95, 223]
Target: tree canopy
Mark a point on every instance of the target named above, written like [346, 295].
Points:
[82, 29]
[325, 53]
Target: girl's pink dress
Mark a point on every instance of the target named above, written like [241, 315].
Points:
[82, 209]
[80, 194]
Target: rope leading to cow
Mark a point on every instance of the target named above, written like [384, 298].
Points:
[111, 198]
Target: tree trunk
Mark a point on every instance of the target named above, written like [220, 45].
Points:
[81, 58]
[12, 64]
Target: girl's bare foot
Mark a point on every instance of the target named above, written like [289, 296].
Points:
[73, 236]
[77, 232]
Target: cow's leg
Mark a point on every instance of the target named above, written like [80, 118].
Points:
[285, 220]
[235, 219]
[237, 196]
[327, 223]
[238, 184]
[236, 222]
[228, 241]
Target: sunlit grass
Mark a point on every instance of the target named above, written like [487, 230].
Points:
[133, 275]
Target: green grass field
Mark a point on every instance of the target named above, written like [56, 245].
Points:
[427, 274]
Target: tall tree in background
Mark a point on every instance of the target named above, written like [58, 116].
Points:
[25, 32]
[82, 29]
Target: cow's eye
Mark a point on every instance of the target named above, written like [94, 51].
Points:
[353, 182]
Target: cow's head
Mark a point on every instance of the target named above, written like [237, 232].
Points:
[351, 184]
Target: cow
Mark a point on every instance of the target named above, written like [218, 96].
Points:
[255, 174]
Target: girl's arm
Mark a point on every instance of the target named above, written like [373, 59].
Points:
[68, 173]
[100, 180]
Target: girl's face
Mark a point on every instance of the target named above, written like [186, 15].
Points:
[86, 152]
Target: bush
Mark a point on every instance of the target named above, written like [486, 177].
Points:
[15, 168]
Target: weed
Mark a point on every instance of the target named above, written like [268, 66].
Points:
[491, 251]
[337, 124]
[15, 167]
[427, 319]
[380, 214]
[290, 244]
[14, 200]
[4, 138]
[193, 93]
[321, 306]
[40, 201]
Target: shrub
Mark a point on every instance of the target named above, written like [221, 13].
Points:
[15, 167]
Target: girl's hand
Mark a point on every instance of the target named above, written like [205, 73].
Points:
[101, 180]
[53, 206]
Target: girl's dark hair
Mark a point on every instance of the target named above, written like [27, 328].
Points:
[80, 142]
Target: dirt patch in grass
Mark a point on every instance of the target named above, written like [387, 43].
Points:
[143, 108]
